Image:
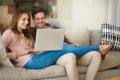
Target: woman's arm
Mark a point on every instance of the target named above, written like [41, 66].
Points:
[22, 53]
[7, 38]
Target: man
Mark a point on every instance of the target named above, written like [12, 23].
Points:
[40, 22]
[92, 59]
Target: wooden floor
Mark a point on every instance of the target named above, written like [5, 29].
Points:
[116, 78]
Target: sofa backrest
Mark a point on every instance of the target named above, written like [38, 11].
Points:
[94, 37]
[81, 35]
[78, 36]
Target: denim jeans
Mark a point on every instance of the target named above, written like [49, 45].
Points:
[48, 58]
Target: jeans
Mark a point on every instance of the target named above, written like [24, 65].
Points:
[48, 58]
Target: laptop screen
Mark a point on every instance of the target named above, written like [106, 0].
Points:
[49, 39]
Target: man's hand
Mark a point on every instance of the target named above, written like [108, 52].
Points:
[75, 44]
[31, 51]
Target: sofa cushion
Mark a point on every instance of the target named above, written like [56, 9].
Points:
[112, 60]
[111, 33]
[4, 61]
[95, 37]
[78, 36]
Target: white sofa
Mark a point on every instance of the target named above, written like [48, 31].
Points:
[109, 68]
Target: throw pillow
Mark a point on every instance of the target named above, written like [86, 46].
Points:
[4, 61]
[111, 33]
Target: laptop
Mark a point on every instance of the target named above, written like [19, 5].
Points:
[49, 39]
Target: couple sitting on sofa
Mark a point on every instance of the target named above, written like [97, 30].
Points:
[21, 36]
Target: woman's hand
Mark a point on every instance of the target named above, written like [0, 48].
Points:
[75, 44]
[37, 52]
[31, 51]
[21, 53]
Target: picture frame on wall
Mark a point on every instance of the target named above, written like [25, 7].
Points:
[11, 9]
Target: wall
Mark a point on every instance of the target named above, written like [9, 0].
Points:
[83, 13]
[64, 9]
[79, 13]
[5, 18]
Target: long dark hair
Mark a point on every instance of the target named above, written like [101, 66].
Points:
[13, 24]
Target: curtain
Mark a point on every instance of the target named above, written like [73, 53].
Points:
[113, 16]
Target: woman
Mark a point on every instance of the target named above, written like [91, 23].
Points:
[18, 39]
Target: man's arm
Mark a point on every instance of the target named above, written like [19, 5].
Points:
[67, 40]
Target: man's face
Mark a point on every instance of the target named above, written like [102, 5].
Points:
[39, 20]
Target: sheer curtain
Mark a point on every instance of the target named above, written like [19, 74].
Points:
[113, 16]
[118, 13]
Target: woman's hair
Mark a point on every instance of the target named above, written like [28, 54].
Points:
[13, 25]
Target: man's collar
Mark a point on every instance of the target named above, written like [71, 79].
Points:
[43, 27]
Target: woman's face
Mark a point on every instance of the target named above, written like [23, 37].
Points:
[23, 22]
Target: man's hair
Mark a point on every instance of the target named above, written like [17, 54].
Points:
[36, 10]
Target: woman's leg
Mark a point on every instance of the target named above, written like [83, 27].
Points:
[48, 58]
[45, 59]
[93, 60]
[69, 62]
[80, 50]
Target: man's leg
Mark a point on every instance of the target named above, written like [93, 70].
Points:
[93, 60]
[69, 62]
